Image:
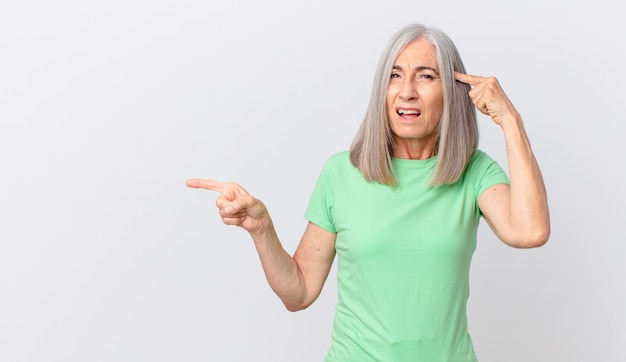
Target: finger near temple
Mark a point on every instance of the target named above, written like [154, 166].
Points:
[198, 183]
[468, 78]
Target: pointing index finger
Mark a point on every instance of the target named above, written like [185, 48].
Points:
[197, 183]
[467, 78]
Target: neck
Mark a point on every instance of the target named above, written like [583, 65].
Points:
[415, 151]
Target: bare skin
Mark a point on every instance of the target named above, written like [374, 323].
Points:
[414, 108]
[518, 214]
[297, 280]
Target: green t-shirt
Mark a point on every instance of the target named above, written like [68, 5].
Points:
[404, 257]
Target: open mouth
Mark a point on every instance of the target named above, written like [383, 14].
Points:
[408, 112]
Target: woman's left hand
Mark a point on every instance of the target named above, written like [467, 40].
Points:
[488, 97]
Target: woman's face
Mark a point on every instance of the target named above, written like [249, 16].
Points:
[415, 96]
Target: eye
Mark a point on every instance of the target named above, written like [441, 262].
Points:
[425, 77]
[394, 75]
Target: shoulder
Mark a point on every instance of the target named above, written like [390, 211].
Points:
[339, 169]
[483, 171]
[339, 157]
[338, 160]
[480, 156]
[480, 160]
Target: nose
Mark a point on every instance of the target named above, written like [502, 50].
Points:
[409, 89]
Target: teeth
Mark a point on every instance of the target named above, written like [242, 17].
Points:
[407, 111]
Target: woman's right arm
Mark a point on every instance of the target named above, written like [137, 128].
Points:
[297, 280]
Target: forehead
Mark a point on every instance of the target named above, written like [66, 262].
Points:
[419, 52]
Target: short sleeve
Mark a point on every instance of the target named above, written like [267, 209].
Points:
[486, 172]
[319, 210]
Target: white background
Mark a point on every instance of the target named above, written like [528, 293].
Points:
[107, 107]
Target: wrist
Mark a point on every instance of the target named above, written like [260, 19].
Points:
[263, 230]
[512, 118]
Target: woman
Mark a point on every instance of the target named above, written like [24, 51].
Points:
[401, 209]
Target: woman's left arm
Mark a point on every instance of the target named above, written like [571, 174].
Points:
[518, 214]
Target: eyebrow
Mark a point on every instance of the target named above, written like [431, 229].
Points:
[421, 67]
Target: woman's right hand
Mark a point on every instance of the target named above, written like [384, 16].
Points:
[236, 205]
[297, 280]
